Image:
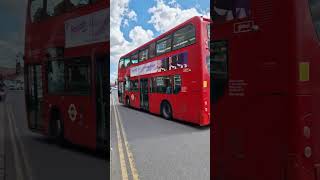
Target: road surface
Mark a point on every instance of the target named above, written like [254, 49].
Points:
[148, 147]
[30, 156]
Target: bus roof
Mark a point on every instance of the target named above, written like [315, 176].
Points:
[166, 33]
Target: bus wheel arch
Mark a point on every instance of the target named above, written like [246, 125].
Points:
[56, 128]
[166, 109]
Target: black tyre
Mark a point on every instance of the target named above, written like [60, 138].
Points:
[166, 110]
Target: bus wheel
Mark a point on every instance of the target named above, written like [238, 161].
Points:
[127, 101]
[166, 110]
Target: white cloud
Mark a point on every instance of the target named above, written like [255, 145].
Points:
[139, 36]
[121, 15]
[163, 17]
[166, 16]
[132, 15]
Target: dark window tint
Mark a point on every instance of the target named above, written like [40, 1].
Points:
[315, 12]
[127, 84]
[177, 84]
[143, 55]
[70, 4]
[162, 84]
[219, 61]
[36, 10]
[164, 45]
[228, 10]
[55, 7]
[55, 76]
[134, 85]
[208, 62]
[134, 58]
[152, 50]
[184, 37]
[78, 2]
[78, 77]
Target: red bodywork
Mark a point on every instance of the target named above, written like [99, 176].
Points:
[263, 133]
[191, 105]
[50, 33]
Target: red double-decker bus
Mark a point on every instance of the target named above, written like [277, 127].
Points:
[66, 70]
[265, 90]
[170, 74]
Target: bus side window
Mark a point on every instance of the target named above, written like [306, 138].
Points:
[55, 7]
[127, 84]
[228, 10]
[218, 69]
[177, 84]
[184, 37]
[127, 62]
[134, 58]
[151, 84]
[164, 85]
[164, 45]
[37, 11]
[315, 8]
[134, 85]
[143, 55]
[152, 50]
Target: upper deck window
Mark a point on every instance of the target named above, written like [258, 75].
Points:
[55, 7]
[152, 50]
[79, 2]
[70, 4]
[143, 55]
[164, 45]
[127, 62]
[228, 10]
[315, 12]
[36, 10]
[134, 58]
[184, 37]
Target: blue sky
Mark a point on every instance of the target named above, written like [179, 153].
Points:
[134, 22]
[12, 18]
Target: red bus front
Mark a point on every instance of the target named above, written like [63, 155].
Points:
[265, 58]
[66, 70]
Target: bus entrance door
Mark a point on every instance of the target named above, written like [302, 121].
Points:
[34, 96]
[144, 96]
[101, 99]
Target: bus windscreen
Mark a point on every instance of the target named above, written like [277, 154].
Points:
[228, 10]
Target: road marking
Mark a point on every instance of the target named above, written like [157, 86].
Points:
[2, 144]
[25, 158]
[129, 153]
[18, 166]
[123, 166]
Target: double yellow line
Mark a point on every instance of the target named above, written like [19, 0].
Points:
[123, 165]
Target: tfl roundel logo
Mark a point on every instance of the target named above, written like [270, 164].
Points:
[72, 111]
